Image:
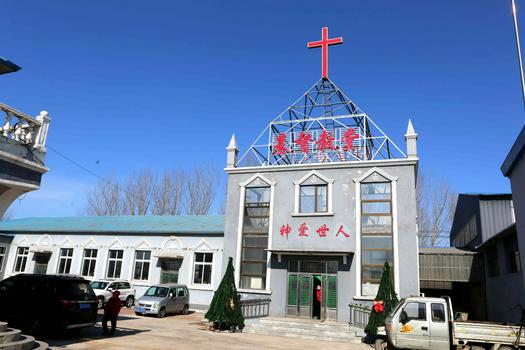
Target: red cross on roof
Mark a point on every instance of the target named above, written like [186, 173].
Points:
[324, 43]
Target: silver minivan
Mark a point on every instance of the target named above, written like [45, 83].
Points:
[164, 299]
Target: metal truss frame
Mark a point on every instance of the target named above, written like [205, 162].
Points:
[323, 108]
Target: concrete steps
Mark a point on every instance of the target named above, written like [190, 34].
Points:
[13, 339]
[303, 329]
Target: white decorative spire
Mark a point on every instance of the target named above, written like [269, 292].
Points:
[411, 139]
[231, 153]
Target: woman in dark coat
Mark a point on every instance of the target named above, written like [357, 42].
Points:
[111, 311]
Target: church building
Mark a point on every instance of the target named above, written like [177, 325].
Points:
[320, 201]
[316, 206]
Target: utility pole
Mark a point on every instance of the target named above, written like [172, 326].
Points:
[519, 50]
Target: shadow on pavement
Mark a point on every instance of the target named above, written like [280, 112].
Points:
[89, 334]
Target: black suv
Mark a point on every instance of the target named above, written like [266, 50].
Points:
[47, 302]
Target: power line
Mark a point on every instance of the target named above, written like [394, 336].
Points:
[108, 181]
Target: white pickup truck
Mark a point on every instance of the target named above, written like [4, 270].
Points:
[427, 323]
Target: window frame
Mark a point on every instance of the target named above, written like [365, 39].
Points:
[66, 258]
[389, 235]
[243, 263]
[92, 260]
[2, 256]
[307, 180]
[204, 264]
[24, 255]
[316, 197]
[436, 320]
[419, 303]
[116, 260]
[142, 261]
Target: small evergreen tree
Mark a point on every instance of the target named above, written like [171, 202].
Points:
[385, 294]
[225, 308]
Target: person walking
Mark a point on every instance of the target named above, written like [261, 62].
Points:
[111, 311]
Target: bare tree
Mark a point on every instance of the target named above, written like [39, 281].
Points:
[176, 192]
[435, 210]
[201, 188]
[104, 199]
[169, 193]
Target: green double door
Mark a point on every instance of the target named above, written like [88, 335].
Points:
[302, 297]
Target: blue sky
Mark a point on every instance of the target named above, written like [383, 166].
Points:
[132, 85]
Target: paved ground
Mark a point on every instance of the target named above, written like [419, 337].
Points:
[180, 332]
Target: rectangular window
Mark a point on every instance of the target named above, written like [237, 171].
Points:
[88, 262]
[21, 259]
[255, 238]
[438, 312]
[3, 250]
[202, 268]
[115, 263]
[142, 261]
[376, 234]
[313, 198]
[65, 259]
[416, 311]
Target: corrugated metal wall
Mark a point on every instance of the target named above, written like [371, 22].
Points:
[495, 216]
[451, 268]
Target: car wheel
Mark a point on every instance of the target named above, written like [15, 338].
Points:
[130, 301]
[138, 314]
[100, 302]
[185, 310]
[380, 344]
[162, 313]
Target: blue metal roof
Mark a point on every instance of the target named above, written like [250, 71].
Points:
[184, 224]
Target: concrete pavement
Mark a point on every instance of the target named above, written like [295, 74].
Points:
[180, 332]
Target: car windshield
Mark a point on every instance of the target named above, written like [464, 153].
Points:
[99, 285]
[157, 292]
[73, 289]
[399, 304]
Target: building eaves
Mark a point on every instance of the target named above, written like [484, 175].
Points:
[514, 155]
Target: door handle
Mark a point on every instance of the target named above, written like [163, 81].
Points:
[424, 328]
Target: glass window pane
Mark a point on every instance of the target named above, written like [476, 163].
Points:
[197, 276]
[375, 191]
[255, 225]
[253, 268]
[207, 274]
[208, 257]
[376, 224]
[438, 312]
[138, 268]
[416, 311]
[376, 208]
[376, 257]
[257, 194]
[332, 266]
[321, 198]
[371, 274]
[376, 242]
[255, 241]
[307, 195]
[251, 282]
[118, 267]
[254, 254]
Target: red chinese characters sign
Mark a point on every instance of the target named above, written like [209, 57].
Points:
[322, 231]
[315, 141]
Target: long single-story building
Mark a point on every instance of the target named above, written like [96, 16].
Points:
[145, 250]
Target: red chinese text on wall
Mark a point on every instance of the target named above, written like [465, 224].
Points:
[322, 231]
